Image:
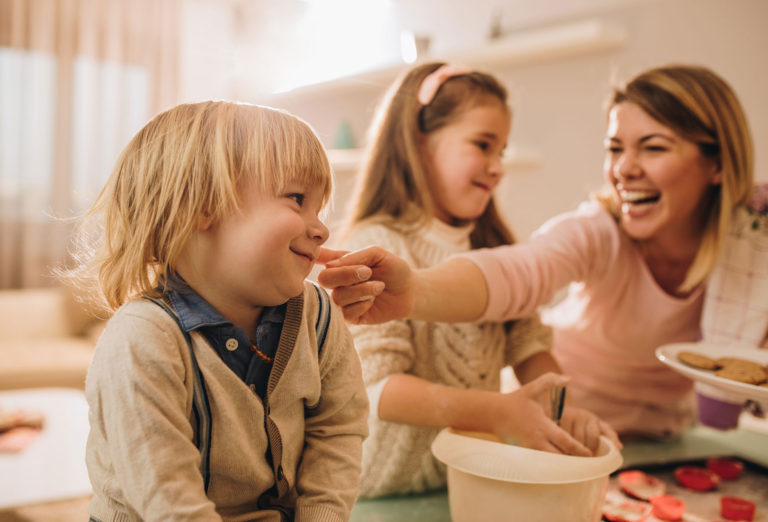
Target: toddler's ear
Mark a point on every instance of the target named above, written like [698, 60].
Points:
[204, 222]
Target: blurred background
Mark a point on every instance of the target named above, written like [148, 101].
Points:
[79, 77]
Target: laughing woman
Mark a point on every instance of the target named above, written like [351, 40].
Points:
[678, 162]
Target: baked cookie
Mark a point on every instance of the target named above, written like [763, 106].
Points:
[750, 373]
[698, 360]
[727, 361]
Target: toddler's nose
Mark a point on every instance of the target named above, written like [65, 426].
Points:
[318, 231]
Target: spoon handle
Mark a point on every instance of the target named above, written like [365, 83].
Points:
[557, 398]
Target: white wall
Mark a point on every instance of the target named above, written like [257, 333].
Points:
[557, 103]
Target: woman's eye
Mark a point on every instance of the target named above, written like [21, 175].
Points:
[655, 148]
[614, 150]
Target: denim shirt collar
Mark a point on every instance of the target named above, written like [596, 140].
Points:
[195, 312]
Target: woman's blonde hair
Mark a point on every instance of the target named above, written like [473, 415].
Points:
[187, 165]
[392, 185]
[701, 107]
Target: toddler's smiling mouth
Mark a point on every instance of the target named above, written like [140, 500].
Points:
[305, 255]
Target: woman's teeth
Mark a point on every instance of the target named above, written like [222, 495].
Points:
[639, 197]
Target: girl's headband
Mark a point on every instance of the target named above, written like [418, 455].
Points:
[434, 80]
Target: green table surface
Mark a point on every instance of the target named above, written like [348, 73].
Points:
[694, 444]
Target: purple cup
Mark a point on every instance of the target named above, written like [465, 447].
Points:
[718, 413]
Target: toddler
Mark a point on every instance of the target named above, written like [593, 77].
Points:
[224, 386]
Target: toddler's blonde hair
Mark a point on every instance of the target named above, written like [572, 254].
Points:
[187, 165]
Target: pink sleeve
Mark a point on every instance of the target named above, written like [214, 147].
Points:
[575, 246]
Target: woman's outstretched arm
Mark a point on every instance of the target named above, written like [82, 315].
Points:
[373, 285]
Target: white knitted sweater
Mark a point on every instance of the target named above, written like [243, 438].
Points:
[397, 457]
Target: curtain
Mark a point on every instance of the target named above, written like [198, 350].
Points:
[78, 78]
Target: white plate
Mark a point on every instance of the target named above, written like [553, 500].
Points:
[668, 355]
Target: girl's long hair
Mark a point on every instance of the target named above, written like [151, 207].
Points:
[392, 184]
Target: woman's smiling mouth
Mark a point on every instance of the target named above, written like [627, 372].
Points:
[638, 200]
[639, 197]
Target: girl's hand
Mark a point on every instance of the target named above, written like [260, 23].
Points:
[586, 427]
[522, 420]
[370, 285]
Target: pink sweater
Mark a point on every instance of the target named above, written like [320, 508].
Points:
[607, 328]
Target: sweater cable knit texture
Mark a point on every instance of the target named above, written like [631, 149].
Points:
[397, 457]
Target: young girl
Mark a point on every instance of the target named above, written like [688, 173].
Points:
[426, 193]
[219, 389]
[678, 162]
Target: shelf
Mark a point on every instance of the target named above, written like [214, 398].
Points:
[522, 47]
[546, 43]
[345, 161]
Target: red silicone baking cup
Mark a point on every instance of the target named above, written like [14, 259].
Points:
[735, 508]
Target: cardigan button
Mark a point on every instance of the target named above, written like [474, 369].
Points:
[231, 344]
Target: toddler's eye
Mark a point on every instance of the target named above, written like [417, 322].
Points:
[482, 145]
[298, 198]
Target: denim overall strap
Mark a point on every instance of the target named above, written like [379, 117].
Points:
[200, 405]
[323, 318]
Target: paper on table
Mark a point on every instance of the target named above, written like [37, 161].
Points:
[736, 300]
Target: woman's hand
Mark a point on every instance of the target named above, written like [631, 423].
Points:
[586, 427]
[370, 285]
[373, 285]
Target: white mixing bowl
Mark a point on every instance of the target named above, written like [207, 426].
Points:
[490, 481]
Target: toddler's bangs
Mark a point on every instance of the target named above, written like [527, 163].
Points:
[287, 150]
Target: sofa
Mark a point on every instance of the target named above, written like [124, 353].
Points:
[46, 339]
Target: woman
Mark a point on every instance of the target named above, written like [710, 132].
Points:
[678, 162]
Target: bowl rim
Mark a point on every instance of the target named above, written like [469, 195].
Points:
[443, 448]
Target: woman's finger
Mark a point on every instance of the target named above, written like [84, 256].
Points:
[343, 276]
[326, 254]
[349, 295]
[369, 256]
[355, 311]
